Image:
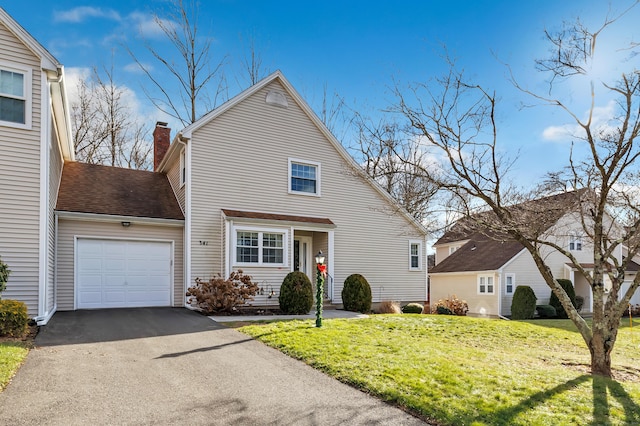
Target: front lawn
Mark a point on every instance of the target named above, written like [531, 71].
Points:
[469, 371]
[12, 355]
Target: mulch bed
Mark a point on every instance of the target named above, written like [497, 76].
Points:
[29, 336]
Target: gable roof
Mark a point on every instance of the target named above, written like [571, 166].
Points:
[539, 214]
[480, 253]
[187, 133]
[106, 190]
[276, 217]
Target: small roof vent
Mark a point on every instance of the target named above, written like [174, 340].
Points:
[277, 98]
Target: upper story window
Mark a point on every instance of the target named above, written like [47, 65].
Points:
[485, 284]
[509, 283]
[183, 168]
[15, 96]
[575, 242]
[452, 249]
[260, 247]
[415, 255]
[304, 177]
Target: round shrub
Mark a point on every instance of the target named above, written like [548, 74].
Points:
[413, 308]
[523, 305]
[555, 302]
[356, 294]
[546, 311]
[296, 294]
[4, 275]
[389, 307]
[13, 318]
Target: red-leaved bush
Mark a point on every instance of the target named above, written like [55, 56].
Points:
[222, 295]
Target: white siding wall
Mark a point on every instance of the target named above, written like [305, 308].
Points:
[67, 229]
[20, 186]
[174, 179]
[240, 161]
[55, 174]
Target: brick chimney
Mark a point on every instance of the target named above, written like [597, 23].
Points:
[161, 142]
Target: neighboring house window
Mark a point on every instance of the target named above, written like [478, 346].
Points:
[260, 247]
[453, 249]
[183, 169]
[575, 242]
[415, 255]
[304, 177]
[15, 96]
[485, 284]
[509, 283]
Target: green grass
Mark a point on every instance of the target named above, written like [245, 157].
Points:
[469, 371]
[12, 355]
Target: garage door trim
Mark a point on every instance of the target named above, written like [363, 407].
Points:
[76, 238]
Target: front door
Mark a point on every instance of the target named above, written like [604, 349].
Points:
[303, 255]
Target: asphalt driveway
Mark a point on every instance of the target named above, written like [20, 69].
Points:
[173, 366]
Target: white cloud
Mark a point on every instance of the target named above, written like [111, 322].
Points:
[601, 121]
[81, 13]
[134, 68]
[148, 26]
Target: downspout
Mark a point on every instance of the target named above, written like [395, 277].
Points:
[187, 214]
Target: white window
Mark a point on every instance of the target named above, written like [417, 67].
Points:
[509, 283]
[260, 247]
[415, 255]
[183, 169]
[485, 284]
[15, 96]
[453, 249]
[575, 242]
[304, 177]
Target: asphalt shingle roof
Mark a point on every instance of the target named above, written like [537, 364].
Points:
[92, 188]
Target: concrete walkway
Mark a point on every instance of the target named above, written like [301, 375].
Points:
[173, 366]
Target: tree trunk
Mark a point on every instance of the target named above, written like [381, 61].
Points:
[600, 348]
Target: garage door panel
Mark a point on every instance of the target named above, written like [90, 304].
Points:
[113, 273]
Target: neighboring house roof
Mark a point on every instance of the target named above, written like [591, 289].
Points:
[276, 217]
[97, 189]
[539, 215]
[480, 253]
[187, 132]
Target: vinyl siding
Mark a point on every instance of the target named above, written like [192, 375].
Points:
[465, 287]
[20, 185]
[55, 174]
[240, 161]
[174, 179]
[67, 229]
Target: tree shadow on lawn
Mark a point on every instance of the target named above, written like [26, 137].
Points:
[603, 389]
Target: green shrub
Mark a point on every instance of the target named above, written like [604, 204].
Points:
[356, 294]
[13, 318]
[523, 305]
[555, 302]
[296, 294]
[451, 306]
[546, 311]
[579, 303]
[222, 295]
[4, 275]
[413, 308]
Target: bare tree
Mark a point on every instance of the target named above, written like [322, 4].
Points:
[104, 129]
[199, 83]
[383, 150]
[457, 120]
[253, 69]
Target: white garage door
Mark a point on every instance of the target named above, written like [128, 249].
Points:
[118, 274]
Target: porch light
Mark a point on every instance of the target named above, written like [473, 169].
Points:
[321, 274]
[126, 224]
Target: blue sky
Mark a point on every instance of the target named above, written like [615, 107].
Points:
[354, 48]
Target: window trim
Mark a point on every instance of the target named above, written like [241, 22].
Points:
[315, 164]
[513, 284]
[27, 98]
[493, 284]
[183, 168]
[420, 255]
[453, 249]
[261, 231]
[575, 241]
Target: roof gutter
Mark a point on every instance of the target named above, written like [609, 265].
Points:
[96, 217]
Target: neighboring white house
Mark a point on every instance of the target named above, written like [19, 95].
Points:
[485, 270]
[258, 184]
[34, 141]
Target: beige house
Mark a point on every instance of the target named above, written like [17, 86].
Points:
[34, 142]
[485, 270]
[258, 184]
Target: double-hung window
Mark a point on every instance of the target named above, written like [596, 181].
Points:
[485, 284]
[575, 242]
[415, 255]
[304, 177]
[15, 98]
[260, 248]
[509, 283]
